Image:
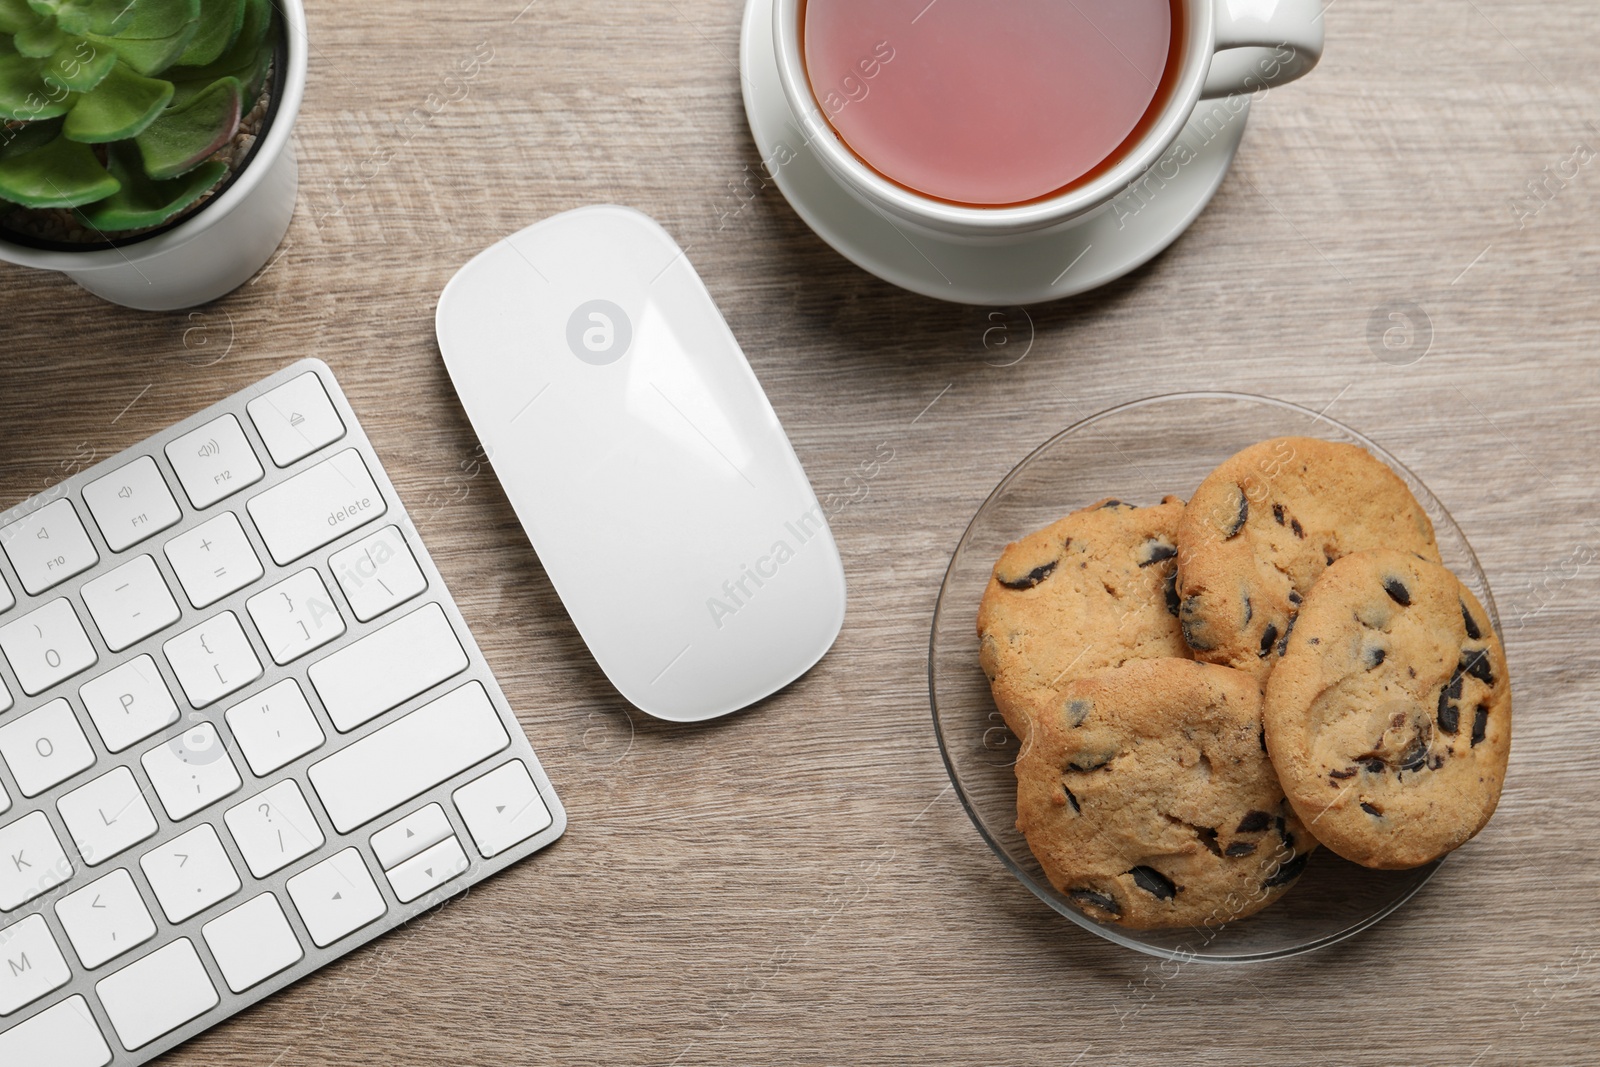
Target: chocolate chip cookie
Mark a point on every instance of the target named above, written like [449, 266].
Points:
[1389, 716]
[1149, 801]
[1263, 527]
[1089, 591]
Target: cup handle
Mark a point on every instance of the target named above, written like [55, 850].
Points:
[1261, 44]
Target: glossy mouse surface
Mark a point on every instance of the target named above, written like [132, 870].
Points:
[644, 461]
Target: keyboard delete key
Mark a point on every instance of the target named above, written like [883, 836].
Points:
[317, 506]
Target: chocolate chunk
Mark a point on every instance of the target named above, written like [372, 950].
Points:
[1072, 799]
[1089, 898]
[1154, 882]
[1032, 578]
[1283, 645]
[1480, 722]
[1415, 756]
[1112, 504]
[1299, 531]
[1295, 598]
[1314, 641]
[1348, 772]
[1371, 809]
[1476, 663]
[1249, 610]
[1239, 520]
[1191, 624]
[1472, 624]
[1453, 690]
[1241, 848]
[1375, 657]
[1282, 825]
[1449, 714]
[1077, 710]
[1327, 557]
[1174, 602]
[1374, 764]
[1277, 513]
[1288, 872]
[1397, 592]
[1157, 552]
[1268, 636]
[1253, 822]
[1435, 761]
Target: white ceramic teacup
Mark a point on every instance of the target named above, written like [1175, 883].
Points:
[1231, 49]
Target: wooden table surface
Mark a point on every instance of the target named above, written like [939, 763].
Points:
[798, 884]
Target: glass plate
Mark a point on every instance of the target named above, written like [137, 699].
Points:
[1140, 452]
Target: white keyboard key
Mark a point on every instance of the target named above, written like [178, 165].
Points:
[191, 771]
[65, 1035]
[377, 573]
[107, 816]
[31, 860]
[106, 918]
[31, 964]
[129, 703]
[213, 559]
[426, 872]
[46, 646]
[214, 461]
[317, 506]
[388, 667]
[275, 727]
[130, 603]
[295, 616]
[213, 659]
[296, 419]
[401, 840]
[502, 808]
[252, 942]
[336, 897]
[190, 873]
[48, 547]
[45, 747]
[157, 994]
[274, 828]
[390, 766]
[131, 504]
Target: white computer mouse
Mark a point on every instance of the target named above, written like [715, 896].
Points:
[644, 461]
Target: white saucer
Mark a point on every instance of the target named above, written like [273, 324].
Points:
[1100, 249]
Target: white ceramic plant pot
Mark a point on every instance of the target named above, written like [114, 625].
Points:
[219, 247]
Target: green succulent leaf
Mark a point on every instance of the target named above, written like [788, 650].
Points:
[62, 173]
[105, 17]
[156, 36]
[246, 60]
[118, 108]
[39, 40]
[182, 138]
[220, 23]
[79, 65]
[16, 16]
[15, 140]
[25, 96]
[144, 201]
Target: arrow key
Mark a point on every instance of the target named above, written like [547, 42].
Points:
[502, 808]
[428, 870]
[401, 840]
[336, 897]
[105, 918]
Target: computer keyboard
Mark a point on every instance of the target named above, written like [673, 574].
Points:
[243, 729]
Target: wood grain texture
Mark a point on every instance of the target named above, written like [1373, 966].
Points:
[797, 884]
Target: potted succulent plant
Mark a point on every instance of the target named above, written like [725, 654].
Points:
[144, 144]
